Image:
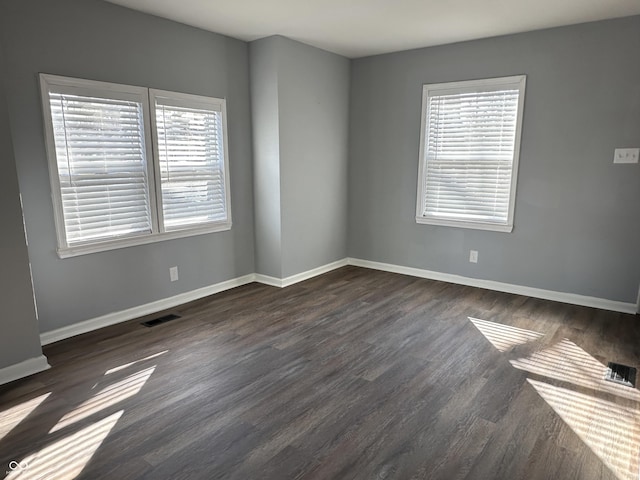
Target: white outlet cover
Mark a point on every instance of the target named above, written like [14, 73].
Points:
[473, 256]
[173, 272]
[626, 155]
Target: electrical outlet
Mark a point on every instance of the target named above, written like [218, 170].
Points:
[626, 155]
[473, 256]
[173, 272]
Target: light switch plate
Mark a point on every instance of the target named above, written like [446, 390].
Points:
[626, 155]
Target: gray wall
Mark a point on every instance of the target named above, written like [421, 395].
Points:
[577, 216]
[100, 41]
[313, 92]
[19, 340]
[300, 103]
[266, 156]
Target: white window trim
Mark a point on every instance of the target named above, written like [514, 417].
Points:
[143, 94]
[518, 81]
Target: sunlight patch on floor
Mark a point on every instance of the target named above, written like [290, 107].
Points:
[606, 420]
[127, 365]
[568, 362]
[66, 458]
[611, 430]
[504, 337]
[10, 418]
[107, 397]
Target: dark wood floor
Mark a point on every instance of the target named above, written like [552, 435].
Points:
[355, 374]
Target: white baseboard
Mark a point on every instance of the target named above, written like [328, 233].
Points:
[23, 369]
[570, 298]
[166, 303]
[269, 280]
[299, 277]
[141, 310]
[157, 306]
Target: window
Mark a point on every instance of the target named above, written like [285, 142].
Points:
[130, 165]
[469, 146]
[189, 135]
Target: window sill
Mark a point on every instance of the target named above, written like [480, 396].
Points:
[464, 224]
[96, 247]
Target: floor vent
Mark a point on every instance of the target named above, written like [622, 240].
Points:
[621, 374]
[158, 321]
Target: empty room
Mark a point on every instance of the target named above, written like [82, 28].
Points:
[311, 240]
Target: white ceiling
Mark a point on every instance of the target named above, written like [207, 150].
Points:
[357, 28]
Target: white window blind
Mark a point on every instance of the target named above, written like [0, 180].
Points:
[131, 165]
[101, 160]
[469, 151]
[191, 155]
